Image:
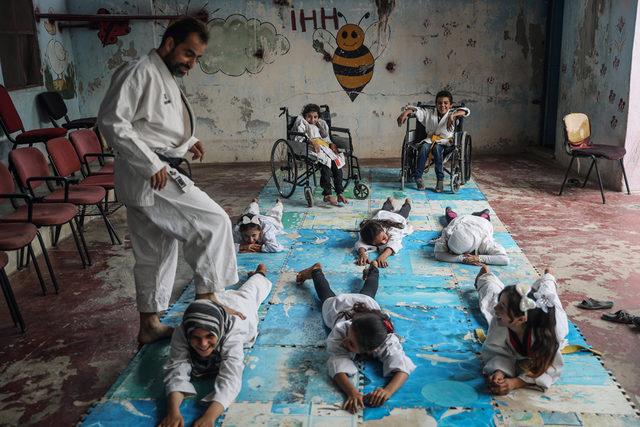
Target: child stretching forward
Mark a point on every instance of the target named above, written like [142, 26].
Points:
[210, 343]
[527, 330]
[258, 233]
[440, 126]
[359, 327]
[384, 232]
[324, 151]
[469, 239]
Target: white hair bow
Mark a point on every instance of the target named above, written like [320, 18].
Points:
[544, 301]
[252, 220]
[526, 303]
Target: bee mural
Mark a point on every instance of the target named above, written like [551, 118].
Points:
[352, 60]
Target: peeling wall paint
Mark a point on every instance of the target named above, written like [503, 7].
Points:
[597, 41]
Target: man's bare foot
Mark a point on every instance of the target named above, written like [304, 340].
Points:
[261, 268]
[331, 200]
[306, 273]
[212, 297]
[343, 199]
[151, 329]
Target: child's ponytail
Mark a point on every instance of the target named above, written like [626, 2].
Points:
[371, 326]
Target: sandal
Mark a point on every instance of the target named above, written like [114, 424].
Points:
[594, 304]
[620, 316]
[636, 321]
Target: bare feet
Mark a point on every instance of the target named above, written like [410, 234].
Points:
[483, 270]
[407, 201]
[548, 270]
[306, 273]
[261, 269]
[365, 272]
[212, 297]
[151, 329]
[342, 199]
[331, 200]
[255, 200]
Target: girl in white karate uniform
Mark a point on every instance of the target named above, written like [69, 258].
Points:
[359, 327]
[323, 150]
[384, 232]
[259, 233]
[210, 343]
[469, 239]
[527, 331]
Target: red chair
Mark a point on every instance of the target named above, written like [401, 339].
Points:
[55, 108]
[31, 171]
[89, 149]
[37, 214]
[577, 143]
[17, 237]
[11, 123]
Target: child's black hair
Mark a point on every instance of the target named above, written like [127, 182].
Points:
[249, 226]
[543, 327]
[310, 108]
[444, 94]
[370, 228]
[370, 326]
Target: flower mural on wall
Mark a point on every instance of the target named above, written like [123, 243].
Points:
[238, 45]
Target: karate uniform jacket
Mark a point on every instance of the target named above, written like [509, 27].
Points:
[481, 231]
[429, 119]
[395, 234]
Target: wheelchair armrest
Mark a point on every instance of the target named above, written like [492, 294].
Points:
[340, 130]
[292, 133]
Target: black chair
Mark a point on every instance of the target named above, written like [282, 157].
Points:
[55, 108]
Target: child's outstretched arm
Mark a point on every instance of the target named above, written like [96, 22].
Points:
[381, 395]
[382, 258]
[354, 400]
[173, 418]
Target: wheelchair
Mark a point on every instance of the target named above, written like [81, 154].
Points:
[457, 158]
[291, 165]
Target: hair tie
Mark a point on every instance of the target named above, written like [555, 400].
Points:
[544, 301]
[526, 303]
[388, 325]
[250, 220]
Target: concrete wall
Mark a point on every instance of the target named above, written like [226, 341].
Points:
[597, 44]
[632, 140]
[488, 53]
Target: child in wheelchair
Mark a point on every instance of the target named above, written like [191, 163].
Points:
[440, 126]
[258, 233]
[330, 160]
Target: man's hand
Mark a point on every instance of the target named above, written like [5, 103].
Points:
[363, 259]
[159, 179]
[353, 403]
[377, 397]
[250, 247]
[198, 151]
[172, 420]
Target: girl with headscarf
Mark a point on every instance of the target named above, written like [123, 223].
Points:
[469, 239]
[210, 343]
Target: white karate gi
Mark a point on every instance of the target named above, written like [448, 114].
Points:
[395, 234]
[321, 130]
[390, 352]
[270, 224]
[477, 230]
[144, 113]
[242, 335]
[497, 351]
[429, 118]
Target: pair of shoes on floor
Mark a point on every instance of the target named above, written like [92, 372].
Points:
[622, 316]
[594, 304]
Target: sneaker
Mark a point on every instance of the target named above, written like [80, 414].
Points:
[439, 186]
[420, 183]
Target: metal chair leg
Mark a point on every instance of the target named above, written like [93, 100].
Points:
[77, 242]
[83, 212]
[47, 261]
[624, 173]
[588, 174]
[84, 245]
[37, 267]
[595, 162]
[112, 232]
[9, 292]
[566, 175]
[56, 235]
[10, 303]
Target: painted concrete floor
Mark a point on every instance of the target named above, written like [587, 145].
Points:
[80, 340]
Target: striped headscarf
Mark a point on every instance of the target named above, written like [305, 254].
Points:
[207, 315]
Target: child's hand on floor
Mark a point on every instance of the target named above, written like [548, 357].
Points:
[472, 259]
[353, 403]
[250, 247]
[382, 262]
[172, 420]
[377, 397]
[363, 259]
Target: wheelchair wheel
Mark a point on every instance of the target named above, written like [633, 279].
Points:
[308, 195]
[361, 191]
[284, 168]
[467, 159]
[456, 179]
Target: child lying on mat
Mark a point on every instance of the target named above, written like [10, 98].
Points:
[359, 327]
[384, 233]
[324, 151]
[210, 343]
[469, 239]
[258, 233]
[527, 330]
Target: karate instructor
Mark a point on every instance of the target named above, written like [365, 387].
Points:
[148, 122]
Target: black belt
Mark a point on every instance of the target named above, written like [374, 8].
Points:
[175, 163]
